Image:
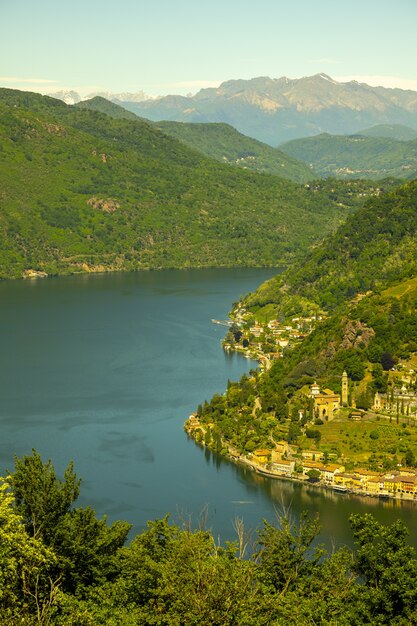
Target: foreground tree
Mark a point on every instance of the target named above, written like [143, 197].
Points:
[28, 588]
[41, 498]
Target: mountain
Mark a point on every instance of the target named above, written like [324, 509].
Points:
[138, 96]
[103, 105]
[67, 96]
[391, 131]
[223, 143]
[218, 141]
[355, 156]
[73, 97]
[375, 248]
[82, 191]
[277, 110]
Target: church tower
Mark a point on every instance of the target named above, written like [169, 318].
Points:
[345, 389]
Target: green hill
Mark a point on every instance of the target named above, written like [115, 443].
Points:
[223, 143]
[218, 141]
[375, 248]
[82, 191]
[105, 106]
[355, 156]
[391, 131]
[363, 280]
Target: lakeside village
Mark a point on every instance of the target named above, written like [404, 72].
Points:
[317, 464]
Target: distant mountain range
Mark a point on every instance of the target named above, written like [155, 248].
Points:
[278, 110]
[73, 97]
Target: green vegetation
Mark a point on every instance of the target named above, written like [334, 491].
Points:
[60, 565]
[223, 143]
[356, 156]
[360, 277]
[82, 191]
[374, 249]
[105, 106]
[391, 131]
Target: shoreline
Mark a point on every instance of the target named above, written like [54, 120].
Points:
[266, 473]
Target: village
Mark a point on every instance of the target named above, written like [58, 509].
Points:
[264, 342]
[324, 465]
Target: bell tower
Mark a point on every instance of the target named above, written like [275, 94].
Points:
[345, 389]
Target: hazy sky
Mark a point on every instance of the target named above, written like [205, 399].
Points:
[179, 46]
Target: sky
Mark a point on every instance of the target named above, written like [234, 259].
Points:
[181, 46]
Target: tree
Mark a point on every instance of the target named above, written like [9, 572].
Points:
[41, 498]
[409, 459]
[26, 568]
[285, 554]
[388, 567]
[314, 475]
[86, 547]
[387, 361]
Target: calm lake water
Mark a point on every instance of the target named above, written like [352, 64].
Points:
[104, 369]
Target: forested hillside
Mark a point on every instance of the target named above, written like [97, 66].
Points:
[218, 141]
[360, 289]
[82, 191]
[375, 248]
[223, 143]
[61, 565]
[356, 156]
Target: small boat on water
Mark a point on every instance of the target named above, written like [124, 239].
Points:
[222, 322]
[339, 489]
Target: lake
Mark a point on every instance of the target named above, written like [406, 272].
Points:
[104, 369]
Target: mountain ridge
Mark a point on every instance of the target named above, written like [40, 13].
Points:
[356, 156]
[275, 110]
[105, 194]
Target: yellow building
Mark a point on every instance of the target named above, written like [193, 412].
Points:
[312, 455]
[361, 478]
[373, 485]
[343, 479]
[281, 448]
[261, 456]
[325, 402]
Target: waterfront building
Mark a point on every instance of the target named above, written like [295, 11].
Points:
[330, 471]
[283, 467]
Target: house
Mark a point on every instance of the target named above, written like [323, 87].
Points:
[361, 478]
[281, 448]
[343, 479]
[261, 455]
[407, 484]
[283, 467]
[330, 471]
[312, 455]
[374, 485]
[193, 423]
[312, 465]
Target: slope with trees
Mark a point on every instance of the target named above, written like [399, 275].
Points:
[356, 156]
[81, 571]
[82, 191]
